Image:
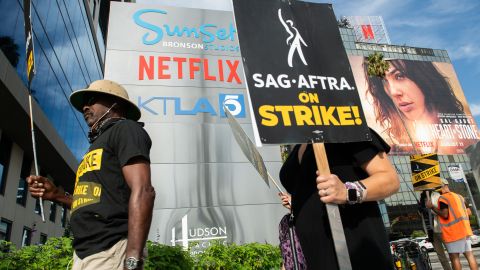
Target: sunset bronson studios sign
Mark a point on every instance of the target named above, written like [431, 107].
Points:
[181, 66]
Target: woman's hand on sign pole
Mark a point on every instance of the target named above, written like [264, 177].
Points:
[331, 189]
[286, 200]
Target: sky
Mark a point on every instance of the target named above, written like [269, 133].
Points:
[439, 24]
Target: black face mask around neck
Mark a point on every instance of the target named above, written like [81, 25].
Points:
[102, 126]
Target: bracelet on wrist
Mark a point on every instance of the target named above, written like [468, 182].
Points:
[353, 193]
[356, 192]
[363, 190]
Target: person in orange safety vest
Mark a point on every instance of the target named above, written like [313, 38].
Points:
[455, 225]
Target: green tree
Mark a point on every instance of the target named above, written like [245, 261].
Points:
[376, 65]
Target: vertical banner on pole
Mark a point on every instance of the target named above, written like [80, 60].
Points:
[456, 173]
[30, 56]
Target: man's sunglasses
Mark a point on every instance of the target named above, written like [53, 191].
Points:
[90, 100]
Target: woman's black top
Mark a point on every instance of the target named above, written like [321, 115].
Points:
[364, 229]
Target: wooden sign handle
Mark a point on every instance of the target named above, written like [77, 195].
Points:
[334, 218]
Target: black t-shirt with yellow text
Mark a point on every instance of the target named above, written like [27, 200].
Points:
[99, 212]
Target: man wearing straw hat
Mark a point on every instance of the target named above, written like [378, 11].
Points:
[455, 225]
[111, 208]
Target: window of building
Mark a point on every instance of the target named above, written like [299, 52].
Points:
[22, 182]
[5, 229]
[43, 238]
[53, 212]
[5, 148]
[37, 207]
[64, 216]
[26, 236]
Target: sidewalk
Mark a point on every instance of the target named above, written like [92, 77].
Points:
[436, 263]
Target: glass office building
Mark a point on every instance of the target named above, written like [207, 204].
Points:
[65, 57]
[69, 54]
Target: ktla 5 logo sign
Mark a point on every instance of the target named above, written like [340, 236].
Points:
[161, 105]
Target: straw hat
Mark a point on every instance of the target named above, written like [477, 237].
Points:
[109, 88]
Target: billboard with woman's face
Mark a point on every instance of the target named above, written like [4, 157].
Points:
[418, 107]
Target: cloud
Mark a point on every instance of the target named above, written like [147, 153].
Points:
[465, 51]
[420, 22]
[475, 109]
[383, 8]
[448, 7]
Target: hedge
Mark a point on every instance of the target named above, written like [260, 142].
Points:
[56, 254]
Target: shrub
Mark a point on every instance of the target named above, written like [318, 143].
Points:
[416, 234]
[246, 256]
[57, 253]
[6, 249]
[167, 257]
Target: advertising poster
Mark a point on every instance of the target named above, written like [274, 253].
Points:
[425, 172]
[418, 104]
[299, 80]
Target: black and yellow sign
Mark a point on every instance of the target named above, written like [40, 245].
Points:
[425, 172]
[299, 79]
[30, 56]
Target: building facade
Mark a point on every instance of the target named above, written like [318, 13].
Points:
[183, 117]
[205, 186]
[207, 191]
[67, 57]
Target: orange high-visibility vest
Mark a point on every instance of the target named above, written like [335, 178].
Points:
[457, 225]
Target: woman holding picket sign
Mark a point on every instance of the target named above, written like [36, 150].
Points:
[361, 174]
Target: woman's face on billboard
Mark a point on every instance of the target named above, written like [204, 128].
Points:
[405, 94]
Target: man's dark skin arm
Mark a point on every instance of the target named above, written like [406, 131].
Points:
[442, 212]
[40, 186]
[140, 206]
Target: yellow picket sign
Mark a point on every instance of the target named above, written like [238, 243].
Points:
[425, 172]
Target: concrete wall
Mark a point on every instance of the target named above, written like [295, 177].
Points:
[25, 216]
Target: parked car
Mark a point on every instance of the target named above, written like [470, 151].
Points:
[423, 243]
[475, 238]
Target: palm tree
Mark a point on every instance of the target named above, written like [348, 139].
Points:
[377, 66]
